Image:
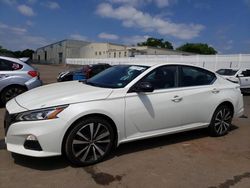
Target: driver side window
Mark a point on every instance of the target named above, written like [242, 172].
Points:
[162, 77]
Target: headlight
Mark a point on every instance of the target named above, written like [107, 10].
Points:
[42, 114]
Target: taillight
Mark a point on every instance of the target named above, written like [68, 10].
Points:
[33, 73]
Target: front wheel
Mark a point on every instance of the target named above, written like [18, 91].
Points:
[221, 121]
[89, 142]
[11, 92]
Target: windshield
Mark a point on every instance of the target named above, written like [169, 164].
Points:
[117, 76]
[227, 72]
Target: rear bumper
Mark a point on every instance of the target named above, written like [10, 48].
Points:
[33, 83]
[239, 112]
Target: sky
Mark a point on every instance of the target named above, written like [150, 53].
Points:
[223, 24]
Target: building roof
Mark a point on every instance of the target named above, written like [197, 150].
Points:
[60, 42]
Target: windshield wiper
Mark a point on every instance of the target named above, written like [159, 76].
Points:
[90, 83]
[83, 81]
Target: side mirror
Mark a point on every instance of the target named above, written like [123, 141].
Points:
[142, 87]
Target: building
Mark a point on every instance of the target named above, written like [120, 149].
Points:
[57, 53]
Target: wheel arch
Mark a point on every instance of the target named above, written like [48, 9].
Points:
[100, 115]
[9, 86]
[227, 103]
[12, 85]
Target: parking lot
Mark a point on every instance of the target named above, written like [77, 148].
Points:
[190, 159]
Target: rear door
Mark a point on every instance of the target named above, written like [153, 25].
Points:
[198, 95]
[245, 79]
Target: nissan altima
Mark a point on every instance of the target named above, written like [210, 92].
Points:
[84, 121]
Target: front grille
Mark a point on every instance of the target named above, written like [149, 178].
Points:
[8, 120]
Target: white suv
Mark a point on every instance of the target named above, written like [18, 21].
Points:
[241, 76]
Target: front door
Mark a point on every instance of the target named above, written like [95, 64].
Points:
[155, 110]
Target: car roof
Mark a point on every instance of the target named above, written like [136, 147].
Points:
[16, 60]
[229, 69]
[12, 59]
[151, 64]
[9, 58]
[157, 64]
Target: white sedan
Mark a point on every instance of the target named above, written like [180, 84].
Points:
[85, 120]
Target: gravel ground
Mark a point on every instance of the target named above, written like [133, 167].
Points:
[190, 159]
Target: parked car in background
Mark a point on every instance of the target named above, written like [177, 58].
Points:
[85, 120]
[16, 77]
[241, 76]
[86, 72]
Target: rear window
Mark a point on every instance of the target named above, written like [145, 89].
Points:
[6, 65]
[226, 72]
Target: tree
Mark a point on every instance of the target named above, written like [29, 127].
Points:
[5, 52]
[27, 53]
[17, 54]
[199, 48]
[158, 43]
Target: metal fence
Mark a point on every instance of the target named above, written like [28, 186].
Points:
[211, 62]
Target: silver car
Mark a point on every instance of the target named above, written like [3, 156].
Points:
[16, 77]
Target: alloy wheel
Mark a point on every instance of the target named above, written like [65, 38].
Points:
[13, 92]
[91, 142]
[222, 121]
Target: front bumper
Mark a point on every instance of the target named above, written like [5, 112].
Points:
[240, 112]
[48, 133]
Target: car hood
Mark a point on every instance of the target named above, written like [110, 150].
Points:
[60, 94]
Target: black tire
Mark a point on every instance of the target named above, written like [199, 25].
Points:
[221, 121]
[11, 92]
[82, 149]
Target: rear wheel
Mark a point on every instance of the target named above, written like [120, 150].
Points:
[89, 142]
[221, 121]
[11, 92]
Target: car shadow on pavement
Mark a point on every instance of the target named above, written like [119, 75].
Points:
[52, 163]
[43, 164]
[2, 144]
[159, 142]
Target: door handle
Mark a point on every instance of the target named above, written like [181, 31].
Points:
[215, 91]
[176, 98]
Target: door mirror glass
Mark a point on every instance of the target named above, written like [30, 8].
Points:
[240, 75]
[143, 87]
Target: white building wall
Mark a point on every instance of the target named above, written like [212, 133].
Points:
[211, 62]
[66, 48]
[58, 52]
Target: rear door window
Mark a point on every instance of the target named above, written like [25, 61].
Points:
[194, 76]
[6, 65]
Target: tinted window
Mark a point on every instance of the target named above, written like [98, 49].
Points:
[117, 76]
[193, 76]
[246, 73]
[227, 72]
[162, 77]
[6, 65]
